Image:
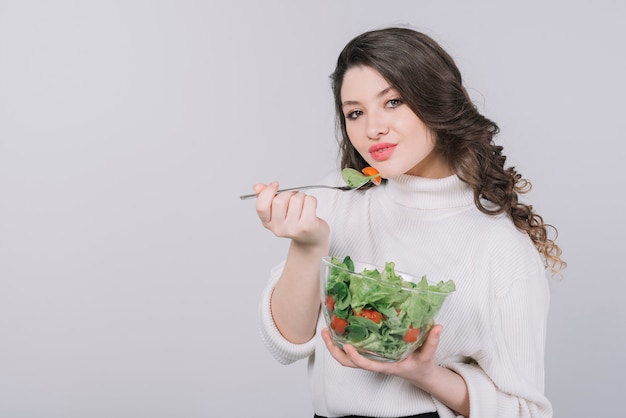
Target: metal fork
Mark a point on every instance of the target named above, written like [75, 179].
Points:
[317, 186]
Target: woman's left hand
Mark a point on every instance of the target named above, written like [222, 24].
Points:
[416, 368]
[419, 368]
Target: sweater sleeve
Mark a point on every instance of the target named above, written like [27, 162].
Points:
[509, 382]
[281, 349]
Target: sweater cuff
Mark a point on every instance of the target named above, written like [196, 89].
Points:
[282, 350]
[483, 395]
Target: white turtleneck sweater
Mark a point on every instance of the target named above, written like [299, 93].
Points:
[494, 324]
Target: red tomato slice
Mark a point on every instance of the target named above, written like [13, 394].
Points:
[338, 324]
[411, 334]
[370, 314]
[329, 303]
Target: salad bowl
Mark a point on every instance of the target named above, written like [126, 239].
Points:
[386, 315]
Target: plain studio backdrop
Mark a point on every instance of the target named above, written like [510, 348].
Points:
[130, 270]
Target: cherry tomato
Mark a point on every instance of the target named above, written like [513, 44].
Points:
[411, 334]
[338, 324]
[329, 303]
[370, 314]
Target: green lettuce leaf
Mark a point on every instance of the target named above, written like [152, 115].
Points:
[382, 292]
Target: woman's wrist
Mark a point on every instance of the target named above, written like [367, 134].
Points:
[448, 387]
[315, 250]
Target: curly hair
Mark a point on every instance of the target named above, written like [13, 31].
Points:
[431, 85]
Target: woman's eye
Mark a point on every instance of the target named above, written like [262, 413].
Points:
[354, 115]
[394, 103]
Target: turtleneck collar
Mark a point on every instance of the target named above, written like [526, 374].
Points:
[426, 193]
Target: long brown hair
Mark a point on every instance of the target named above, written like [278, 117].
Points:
[431, 85]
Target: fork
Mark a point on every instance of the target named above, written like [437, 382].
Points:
[315, 186]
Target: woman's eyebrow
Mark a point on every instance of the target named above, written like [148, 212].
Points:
[356, 102]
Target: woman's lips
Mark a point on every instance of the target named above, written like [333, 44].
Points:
[381, 152]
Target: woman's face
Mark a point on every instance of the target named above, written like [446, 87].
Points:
[385, 131]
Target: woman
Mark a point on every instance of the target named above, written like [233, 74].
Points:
[448, 207]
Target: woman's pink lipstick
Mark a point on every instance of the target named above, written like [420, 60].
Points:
[382, 151]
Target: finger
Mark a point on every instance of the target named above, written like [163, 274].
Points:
[327, 338]
[258, 187]
[265, 195]
[432, 341]
[295, 205]
[434, 334]
[365, 363]
[280, 206]
[337, 353]
[309, 208]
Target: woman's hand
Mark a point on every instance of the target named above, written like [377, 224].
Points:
[416, 368]
[290, 215]
[419, 368]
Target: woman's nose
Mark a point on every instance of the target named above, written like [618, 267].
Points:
[377, 125]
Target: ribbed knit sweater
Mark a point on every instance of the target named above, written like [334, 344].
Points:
[494, 324]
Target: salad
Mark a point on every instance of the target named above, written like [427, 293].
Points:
[356, 179]
[379, 312]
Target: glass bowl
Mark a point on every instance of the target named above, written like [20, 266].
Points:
[386, 315]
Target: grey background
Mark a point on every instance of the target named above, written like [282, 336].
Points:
[130, 271]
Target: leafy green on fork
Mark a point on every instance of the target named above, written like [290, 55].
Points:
[355, 178]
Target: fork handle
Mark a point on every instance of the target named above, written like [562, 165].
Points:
[316, 186]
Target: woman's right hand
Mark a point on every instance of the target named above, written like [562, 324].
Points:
[295, 300]
[290, 215]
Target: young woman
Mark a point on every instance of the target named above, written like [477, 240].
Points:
[448, 208]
